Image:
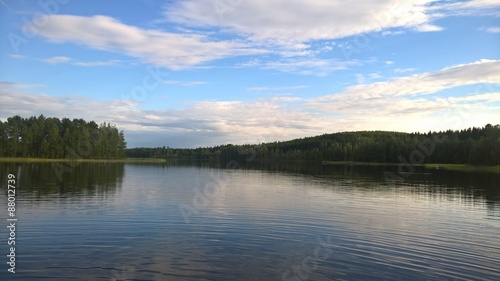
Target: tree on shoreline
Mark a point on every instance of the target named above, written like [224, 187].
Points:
[41, 137]
[477, 146]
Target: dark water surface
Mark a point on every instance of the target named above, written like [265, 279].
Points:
[95, 221]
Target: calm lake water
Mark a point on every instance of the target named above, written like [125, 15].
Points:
[96, 221]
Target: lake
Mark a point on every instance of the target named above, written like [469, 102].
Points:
[115, 221]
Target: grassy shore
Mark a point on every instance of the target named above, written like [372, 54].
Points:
[358, 163]
[452, 167]
[464, 168]
[124, 160]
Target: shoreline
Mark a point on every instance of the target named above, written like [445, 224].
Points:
[45, 160]
[451, 167]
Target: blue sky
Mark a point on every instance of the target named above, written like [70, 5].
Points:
[207, 72]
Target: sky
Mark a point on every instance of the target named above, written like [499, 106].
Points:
[197, 73]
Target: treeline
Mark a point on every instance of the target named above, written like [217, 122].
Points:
[477, 146]
[167, 152]
[42, 137]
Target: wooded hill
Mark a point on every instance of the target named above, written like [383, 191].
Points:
[42, 137]
[477, 146]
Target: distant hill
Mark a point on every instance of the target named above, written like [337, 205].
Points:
[477, 146]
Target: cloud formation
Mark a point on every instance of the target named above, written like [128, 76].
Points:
[491, 29]
[259, 89]
[63, 59]
[482, 71]
[202, 123]
[283, 21]
[408, 103]
[288, 30]
[167, 49]
[184, 83]
[286, 22]
[417, 102]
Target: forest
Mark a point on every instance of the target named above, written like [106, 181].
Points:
[475, 146]
[41, 137]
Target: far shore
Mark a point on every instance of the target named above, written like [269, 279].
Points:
[452, 167]
[464, 167]
[122, 160]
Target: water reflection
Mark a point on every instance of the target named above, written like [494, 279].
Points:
[35, 180]
[468, 185]
[122, 222]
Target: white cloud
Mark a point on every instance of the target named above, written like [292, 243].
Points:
[193, 83]
[6, 85]
[428, 28]
[406, 102]
[403, 70]
[302, 66]
[479, 3]
[172, 50]
[488, 97]
[57, 60]
[285, 21]
[311, 66]
[184, 83]
[390, 32]
[402, 104]
[295, 30]
[288, 22]
[375, 76]
[491, 29]
[63, 59]
[99, 63]
[285, 88]
[483, 71]
[284, 99]
[202, 123]
[363, 79]
[472, 7]
[407, 114]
